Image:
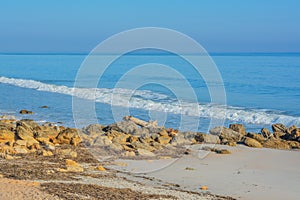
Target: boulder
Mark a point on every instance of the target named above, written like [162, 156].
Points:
[164, 139]
[94, 129]
[279, 128]
[45, 134]
[179, 140]
[226, 134]
[294, 144]
[276, 144]
[120, 139]
[266, 133]
[102, 141]
[6, 136]
[207, 138]
[123, 126]
[261, 139]
[28, 112]
[238, 128]
[250, 142]
[144, 152]
[68, 136]
[278, 135]
[20, 150]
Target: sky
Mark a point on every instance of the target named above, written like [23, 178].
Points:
[218, 25]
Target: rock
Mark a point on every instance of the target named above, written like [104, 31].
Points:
[291, 129]
[226, 134]
[207, 138]
[294, 144]
[23, 112]
[100, 168]
[190, 136]
[68, 136]
[24, 130]
[45, 134]
[265, 133]
[123, 126]
[44, 107]
[71, 166]
[222, 151]
[296, 132]
[179, 140]
[238, 128]
[144, 152]
[278, 135]
[128, 154]
[116, 147]
[276, 144]
[94, 129]
[47, 153]
[261, 139]
[163, 132]
[102, 141]
[250, 142]
[204, 187]
[21, 143]
[121, 139]
[139, 145]
[164, 139]
[20, 150]
[6, 136]
[67, 153]
[279, 128]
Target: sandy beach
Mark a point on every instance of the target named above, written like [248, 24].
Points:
[247, 173]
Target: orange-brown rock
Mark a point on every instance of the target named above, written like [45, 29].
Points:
[6, 136]
[68, 136]
[238, 128]
[250, 142]
[276, 144]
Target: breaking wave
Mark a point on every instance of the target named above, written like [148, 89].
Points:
[148, 100]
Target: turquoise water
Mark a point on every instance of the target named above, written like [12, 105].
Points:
[261, 89]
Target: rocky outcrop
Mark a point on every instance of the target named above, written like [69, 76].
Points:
[207, 138]
[250, 142]
[226, 134]
[238, 128]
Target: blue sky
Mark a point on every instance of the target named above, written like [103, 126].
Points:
[219, 26]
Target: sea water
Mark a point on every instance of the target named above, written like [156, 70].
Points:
[261, 89]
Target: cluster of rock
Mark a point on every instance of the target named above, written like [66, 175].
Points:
[132, 137]
[281, 137]
[26, 136]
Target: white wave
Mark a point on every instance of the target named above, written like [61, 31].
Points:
[143, 99]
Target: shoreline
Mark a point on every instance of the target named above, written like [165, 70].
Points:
[192, 165]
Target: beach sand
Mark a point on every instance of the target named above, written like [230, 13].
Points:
[247, 173]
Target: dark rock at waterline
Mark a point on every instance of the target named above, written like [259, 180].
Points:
[26, 112]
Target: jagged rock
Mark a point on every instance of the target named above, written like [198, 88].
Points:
[278, 135]
[226, 134]
[165, 139]
[102, 141]
[207, 138]
[276, 144]
[45, 134]
[23, 112]
[265, 133]
[179, 140]
[190, 136]
[238, 128]
[139, 145]
[20, 150]
[68, 136]
[261, 139]
[94, 129]
[6, 136]
[279, 128]
[123, 126]
[144, 152]
[116, 147]
[294, 144]
[21, 143]
[121, 139]
[250, 142]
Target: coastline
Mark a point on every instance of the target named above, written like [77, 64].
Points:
[164, 163]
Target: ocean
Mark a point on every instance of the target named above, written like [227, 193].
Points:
[261, 89]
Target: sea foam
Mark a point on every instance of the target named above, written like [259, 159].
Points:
[148, 100]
